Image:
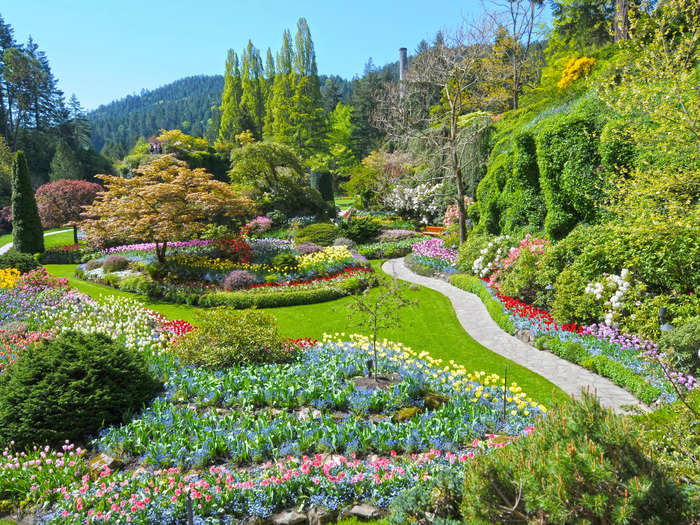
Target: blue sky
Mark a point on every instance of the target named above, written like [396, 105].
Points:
[103, 49]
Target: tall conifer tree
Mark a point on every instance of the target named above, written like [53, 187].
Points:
[231, 99]
[27, 233]
[253, 84]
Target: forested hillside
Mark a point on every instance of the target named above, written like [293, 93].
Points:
[185, 104]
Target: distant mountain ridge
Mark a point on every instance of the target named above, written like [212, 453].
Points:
[185, 104]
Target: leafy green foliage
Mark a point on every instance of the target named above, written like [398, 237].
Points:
[27, 233]
[360, 229]
[320, 233]
[581, 463]
[226, 337]
[70, 387]
[683, 343]
[469, 251]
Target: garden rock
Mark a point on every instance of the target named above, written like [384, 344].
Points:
[382, 381]
[433, 400]
[366, 511]
[98, 463]
[320, 516]
[289, 517]
[406, 414]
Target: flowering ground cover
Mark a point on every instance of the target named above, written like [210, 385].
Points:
[251, 440]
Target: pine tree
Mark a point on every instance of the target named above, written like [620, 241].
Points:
[230, 100]
[65, 164]
[27, 233]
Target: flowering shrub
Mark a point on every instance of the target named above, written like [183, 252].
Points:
[575, 69]
[235, 250]
[611, 291]
[414, 202]
[490, 256]
[8, 277]
[532, 245]
[306, 248]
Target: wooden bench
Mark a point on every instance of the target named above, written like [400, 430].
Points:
[433, 230]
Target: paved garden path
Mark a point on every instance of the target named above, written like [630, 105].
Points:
[477, 322]
[7, 246]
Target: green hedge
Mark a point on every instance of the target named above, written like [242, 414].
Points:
[495, 309]
[242, 300]
[603, 366]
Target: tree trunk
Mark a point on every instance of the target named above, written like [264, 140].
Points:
[160, 251]
[75, 234]
[457, 170]
[622, 20]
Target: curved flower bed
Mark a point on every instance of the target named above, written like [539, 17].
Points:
[249, 441]
[640, 357]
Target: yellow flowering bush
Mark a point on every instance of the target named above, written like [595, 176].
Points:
[575, 69]
[8, 277]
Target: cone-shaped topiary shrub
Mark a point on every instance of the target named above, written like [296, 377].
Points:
[70, 387]
[27, 233]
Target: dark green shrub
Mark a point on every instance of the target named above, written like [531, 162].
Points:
[361, 229]
[582, 464]
[488, 194]
[115, 263]
[322, 181]
[226, 337]
[21, 261]
[683, 344]
[27, 232]
[294, 199]
[69, 388]
[286, 261]
[321, 233]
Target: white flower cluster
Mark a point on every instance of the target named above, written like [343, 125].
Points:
[492, 255]
[616, 286]
[417, 202]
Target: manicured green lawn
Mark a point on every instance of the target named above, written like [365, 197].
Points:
[52, 240]
[60, 239]
[431, 326]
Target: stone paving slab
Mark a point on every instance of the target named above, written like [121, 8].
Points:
[477, 322]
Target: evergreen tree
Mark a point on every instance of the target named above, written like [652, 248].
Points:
[283, 93]
[252, 87]
[65, 164]
[231, 120]
[269, 83]
[27, 234]
[365, 136]
[331, 95]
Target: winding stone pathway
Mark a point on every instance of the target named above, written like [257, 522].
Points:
[477, 322]
[6, 247]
